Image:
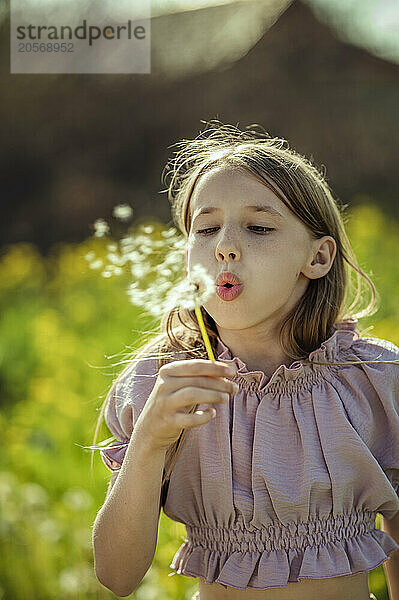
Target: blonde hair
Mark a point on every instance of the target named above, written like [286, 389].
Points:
[304, 190]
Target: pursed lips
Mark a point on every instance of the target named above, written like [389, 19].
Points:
[227, 279]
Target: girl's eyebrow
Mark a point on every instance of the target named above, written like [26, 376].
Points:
[207, 210]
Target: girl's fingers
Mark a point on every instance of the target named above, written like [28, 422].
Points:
[187, 421]
[210, 383]
[189, 396]
[198, 366]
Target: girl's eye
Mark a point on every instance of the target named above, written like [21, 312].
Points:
[256, 228]
[262, 228]
[206, 231]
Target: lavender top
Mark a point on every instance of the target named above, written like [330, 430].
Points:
[310, 455]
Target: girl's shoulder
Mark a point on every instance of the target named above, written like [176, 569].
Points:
[371, 344]
[373, 378]
[381, 353]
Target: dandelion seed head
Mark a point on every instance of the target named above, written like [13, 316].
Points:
[156, 266]
[200, 286]
[123, 212]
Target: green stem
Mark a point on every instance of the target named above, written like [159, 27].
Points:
[204, 333]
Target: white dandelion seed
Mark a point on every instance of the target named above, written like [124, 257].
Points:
[115, 258]
[164, 272]
[123, 212]
[127, 243]
[169, 233]
[101, 227]
[139, 271]
[97, 264]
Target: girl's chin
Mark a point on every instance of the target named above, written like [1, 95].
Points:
[228, 319]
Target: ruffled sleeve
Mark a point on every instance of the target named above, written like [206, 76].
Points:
[380, 385]
[126, 402]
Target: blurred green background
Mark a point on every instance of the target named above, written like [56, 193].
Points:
[324, 74]
[63, 330]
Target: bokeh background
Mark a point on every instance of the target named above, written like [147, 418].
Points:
[321, 73]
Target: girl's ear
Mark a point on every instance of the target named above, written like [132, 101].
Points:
[324, 252]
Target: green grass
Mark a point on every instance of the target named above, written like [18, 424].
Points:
[60, 321]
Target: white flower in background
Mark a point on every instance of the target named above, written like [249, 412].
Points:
[49, 529]
[77, 581]
[77, 498]
[123, 212]
[33, 495]
[101, 228]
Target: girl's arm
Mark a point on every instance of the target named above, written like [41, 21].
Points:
[391, 566]
[125, 530]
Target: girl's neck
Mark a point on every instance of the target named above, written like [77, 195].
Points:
[258, 352]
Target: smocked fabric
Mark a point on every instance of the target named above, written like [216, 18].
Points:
[286, 482]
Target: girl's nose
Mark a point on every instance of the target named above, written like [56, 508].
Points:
[227, 250]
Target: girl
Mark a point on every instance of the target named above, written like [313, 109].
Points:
[279, 476]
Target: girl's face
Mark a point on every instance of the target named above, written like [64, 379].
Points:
[270, 251]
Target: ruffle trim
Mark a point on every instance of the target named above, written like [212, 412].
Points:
[113, 455]
[277, 568]
[345, 333]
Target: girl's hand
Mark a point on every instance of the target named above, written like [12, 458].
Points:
[179, 386]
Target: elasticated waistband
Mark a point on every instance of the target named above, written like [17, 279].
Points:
[277, 536]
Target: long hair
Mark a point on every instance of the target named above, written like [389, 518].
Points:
[304, 190]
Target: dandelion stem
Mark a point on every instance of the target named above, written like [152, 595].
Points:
[204, 333]
[212, 358]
